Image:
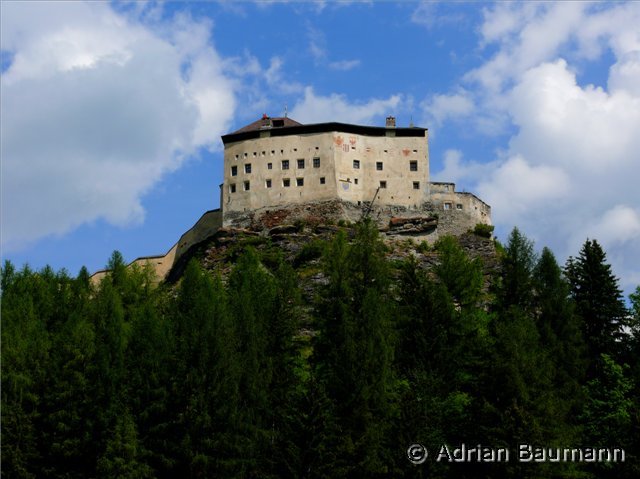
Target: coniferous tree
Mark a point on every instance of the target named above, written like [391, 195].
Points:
[206, 378]
[25, 355]
[354, 353]
[598, 300]
[559, 328]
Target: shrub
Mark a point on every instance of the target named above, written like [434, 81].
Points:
[483, 230]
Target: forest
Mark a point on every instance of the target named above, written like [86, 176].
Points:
[242, 374]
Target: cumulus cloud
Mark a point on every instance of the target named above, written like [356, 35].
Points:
[571, 167]
[335, 107]
[440, 107]
[96, 107]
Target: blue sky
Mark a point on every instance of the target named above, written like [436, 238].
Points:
[112, 113]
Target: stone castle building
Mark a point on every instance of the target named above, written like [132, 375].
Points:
[332, 171]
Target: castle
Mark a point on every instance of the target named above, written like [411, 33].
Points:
[279, 168]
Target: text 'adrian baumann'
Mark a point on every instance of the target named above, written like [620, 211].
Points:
[528, 453]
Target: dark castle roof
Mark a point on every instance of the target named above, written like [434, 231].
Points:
[284, 126]
[273, 123]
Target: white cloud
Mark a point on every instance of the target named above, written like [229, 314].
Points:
[571, 168]
[431, 14]
[440, 108]
[316, 109]
[344, 65]
[96, 107]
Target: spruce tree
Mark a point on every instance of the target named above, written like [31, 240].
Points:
[598, 300]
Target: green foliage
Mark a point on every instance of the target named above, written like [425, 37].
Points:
[310, 251]
[598, 299]
[423, 247]
[517, 263]
[483, 230]
[238, 376]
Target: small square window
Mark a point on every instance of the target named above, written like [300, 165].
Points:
[255, 153]
[247, 168]
[316, 162]
[285, 164]
[232, 188]
[237, 156]
[295, 149]
[301, 163]
[355, 181]
[458, 206]
[415, 151]
[245, 155]
[286, 182]
[264, 153]
[356, 164]
[267, 183]
[379, 165]
[322, 180]
[247, 186]
[416, 185]
[383, 184]
[447, 206]
[234, 171]
[299, 181]
[413, 166]
[273, 152]
[269, 166]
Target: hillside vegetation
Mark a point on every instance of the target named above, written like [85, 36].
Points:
[320, 355]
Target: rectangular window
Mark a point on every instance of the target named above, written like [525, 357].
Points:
[285, 164]
[301, 163]
[355, 181]
[299, 181]
[322, 180]
[247, 168]
[269, 166]
[286, 182]
[447, 206]
[383, 184]
[234, 171]
[379, 165]
[413, 166]
[356, 164]
[458, 206]
[267, 183]
[416, 185]
[316, 162]
[247, 186]
[232, 188]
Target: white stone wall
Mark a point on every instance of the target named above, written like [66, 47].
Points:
[348, 170]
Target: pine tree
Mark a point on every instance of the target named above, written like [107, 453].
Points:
[355, 349]
[206, 379]
[25, 352]
[559, 328]
[598, 300]
[517, 265]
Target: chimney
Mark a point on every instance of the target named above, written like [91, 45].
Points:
[391, 122]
